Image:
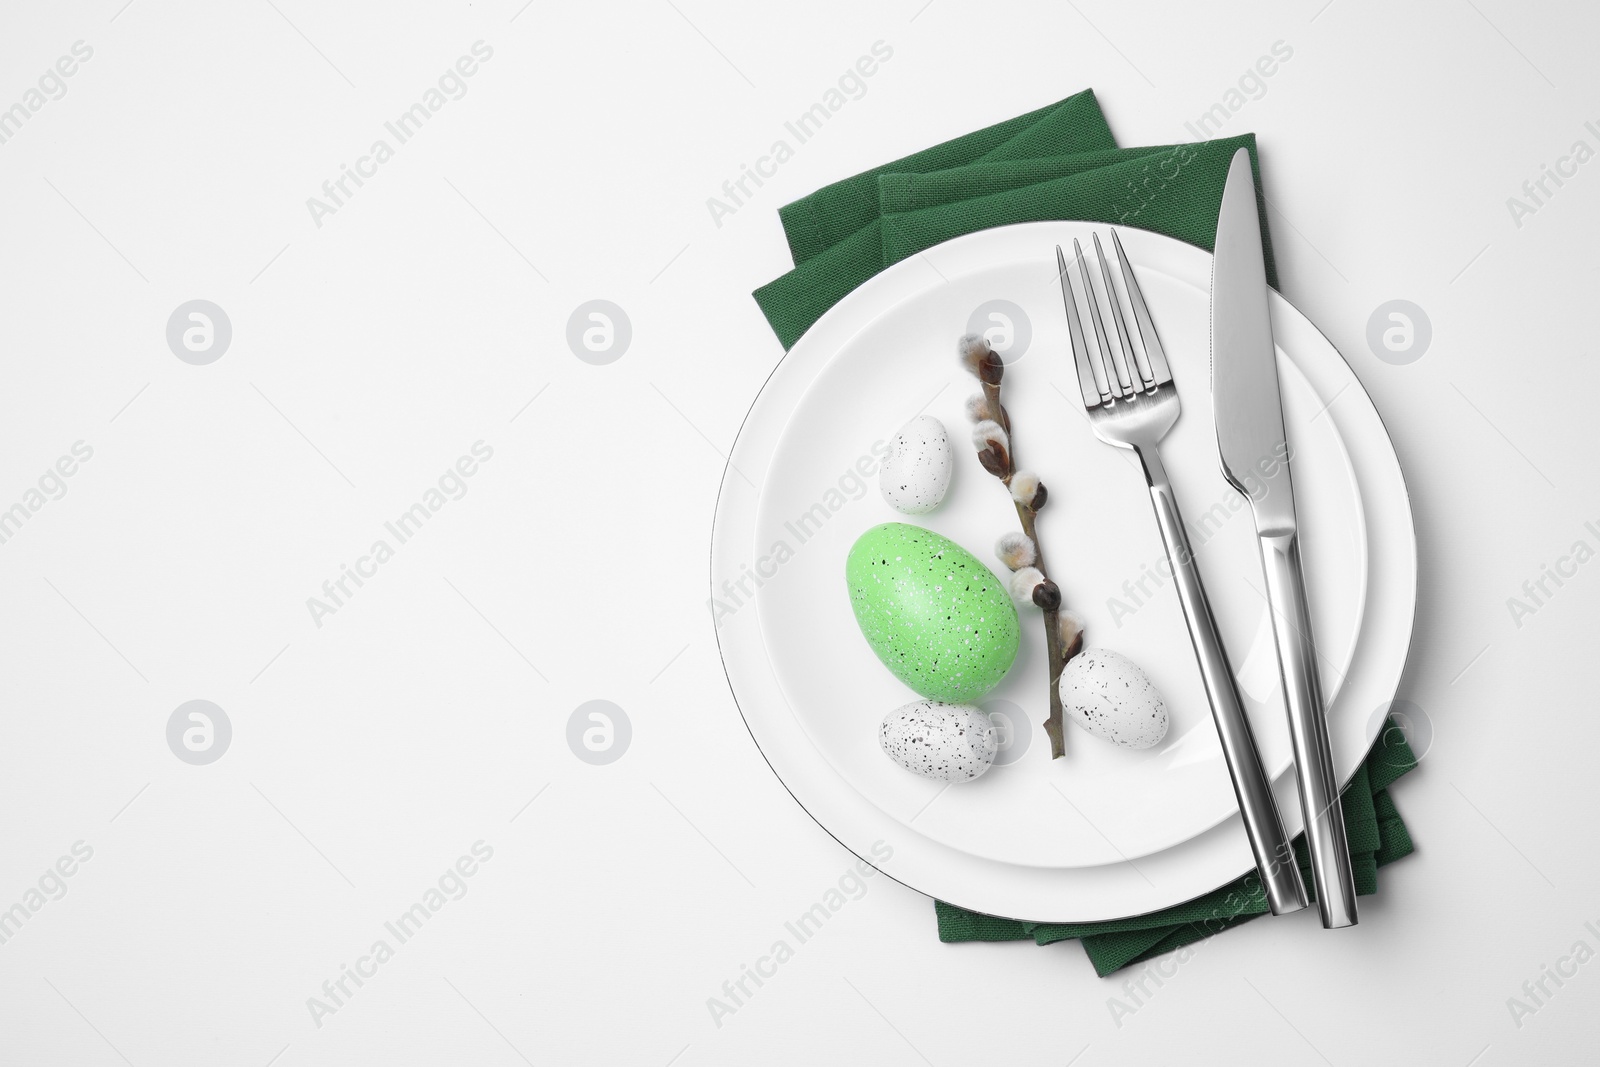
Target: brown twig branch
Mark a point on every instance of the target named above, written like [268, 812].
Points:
[1063, 631]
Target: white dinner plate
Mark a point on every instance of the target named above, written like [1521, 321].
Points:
[1103, 832]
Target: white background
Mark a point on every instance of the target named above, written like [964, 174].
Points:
[372, 351]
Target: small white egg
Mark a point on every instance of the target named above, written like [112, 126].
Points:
[916, 473]
[1108, 695]
[945, 742]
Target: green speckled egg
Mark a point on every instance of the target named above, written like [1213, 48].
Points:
[935, 616]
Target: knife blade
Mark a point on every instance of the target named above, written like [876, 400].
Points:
[1244, 364]
[1255, 455]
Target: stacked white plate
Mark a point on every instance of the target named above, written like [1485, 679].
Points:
[1102, 833]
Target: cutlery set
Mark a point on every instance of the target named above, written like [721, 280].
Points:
[1131, 400]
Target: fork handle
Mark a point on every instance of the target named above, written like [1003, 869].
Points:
[1308, 729]
[1274, 856]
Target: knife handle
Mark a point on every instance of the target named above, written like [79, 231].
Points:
[1280, 875]
[1308, 729]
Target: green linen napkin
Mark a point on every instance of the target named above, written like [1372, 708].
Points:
[1172, 189]
[834, 234]
[1377, 836]
[1059, 162]
[820, 221]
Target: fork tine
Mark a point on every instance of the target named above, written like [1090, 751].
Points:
[1130, 354]
[1141, 317]
[1116, 374]
[1093, 392]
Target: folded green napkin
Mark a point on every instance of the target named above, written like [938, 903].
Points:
[834, 234]
[1171, 189]
[1377, 837]
[1059, 162]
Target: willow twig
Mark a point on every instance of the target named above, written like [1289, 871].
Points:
[1063, 630]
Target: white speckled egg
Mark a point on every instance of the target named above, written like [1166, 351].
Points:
[1107, 694]
[945, 742]
[916, 472]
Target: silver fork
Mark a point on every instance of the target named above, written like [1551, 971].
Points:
[1132, 403]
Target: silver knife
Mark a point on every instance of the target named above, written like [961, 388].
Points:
[1255, 459]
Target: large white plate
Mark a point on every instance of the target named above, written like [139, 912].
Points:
[1103, 832]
